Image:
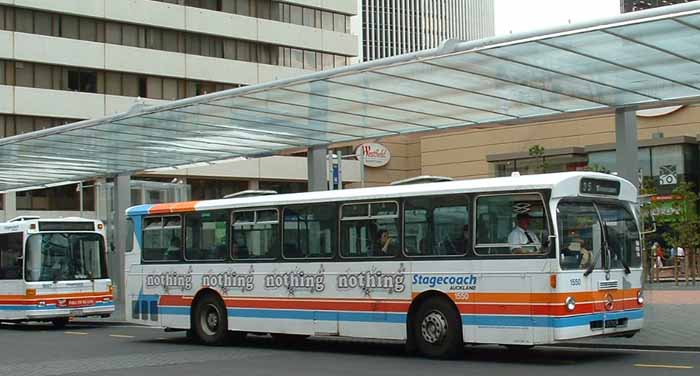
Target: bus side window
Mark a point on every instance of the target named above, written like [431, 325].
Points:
[511, 224]
[370, 229]
[437, 226]
[162, 238]
[10, 255]
[255, 234]
[206, 236]
[309, 231]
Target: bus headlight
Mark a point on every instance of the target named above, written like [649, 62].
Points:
[570, 304]
[640, 297]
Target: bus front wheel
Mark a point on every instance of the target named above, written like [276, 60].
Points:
[210, 321]
[437, 329]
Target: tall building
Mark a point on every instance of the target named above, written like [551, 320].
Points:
[69, 60]
[635, 5]
[395, 27]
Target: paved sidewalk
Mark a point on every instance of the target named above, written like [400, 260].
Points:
[671, 320]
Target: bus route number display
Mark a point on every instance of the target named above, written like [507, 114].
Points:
[600, 187]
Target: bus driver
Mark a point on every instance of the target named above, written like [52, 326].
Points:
[521, 236]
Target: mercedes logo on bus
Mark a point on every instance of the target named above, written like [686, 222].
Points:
[609, 302]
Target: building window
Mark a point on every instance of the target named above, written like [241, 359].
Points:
[83, 81]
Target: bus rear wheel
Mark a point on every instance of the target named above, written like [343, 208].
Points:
[60, 322]
[210, 320]
[437, 329]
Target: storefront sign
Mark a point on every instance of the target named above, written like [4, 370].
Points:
[668, 175]
[375, 155]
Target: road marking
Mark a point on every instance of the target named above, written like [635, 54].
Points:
[76, 333]
[120, 336]
[662, 366]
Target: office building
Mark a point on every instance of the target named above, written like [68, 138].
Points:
[70, 60]
[395, 27]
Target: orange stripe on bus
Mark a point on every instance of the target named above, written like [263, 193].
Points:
[100, 294]
[177, 207]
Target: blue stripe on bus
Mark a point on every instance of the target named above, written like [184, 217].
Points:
[139, 210]
[480, 320]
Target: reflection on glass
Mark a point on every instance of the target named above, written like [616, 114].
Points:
[580, 236]
[65, 257]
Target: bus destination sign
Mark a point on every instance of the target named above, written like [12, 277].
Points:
[600, 187]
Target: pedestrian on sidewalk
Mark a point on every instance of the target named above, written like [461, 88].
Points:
[659, 260]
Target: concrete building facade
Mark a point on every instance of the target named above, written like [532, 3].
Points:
[69, 60]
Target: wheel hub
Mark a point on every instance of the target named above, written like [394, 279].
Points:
[210, 320]
[434, 327]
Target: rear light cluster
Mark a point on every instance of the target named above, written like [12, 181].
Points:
[640, 297]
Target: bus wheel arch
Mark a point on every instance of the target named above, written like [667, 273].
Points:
[209, 317]
[434, 326]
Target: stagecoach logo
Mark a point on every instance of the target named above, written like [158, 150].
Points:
[449, 282]
[230, 280]
[373, 279]
[170, 280]
[297, 280]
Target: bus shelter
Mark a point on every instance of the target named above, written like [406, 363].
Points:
[622, 64]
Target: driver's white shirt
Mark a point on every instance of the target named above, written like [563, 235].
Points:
[517, 237]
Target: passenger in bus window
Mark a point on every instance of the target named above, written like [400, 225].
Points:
[463, 244]
[385, 244]
[173, 251]
[520, 239]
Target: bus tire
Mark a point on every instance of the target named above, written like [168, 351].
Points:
[210, 320]
[437, 329]
[60, 322]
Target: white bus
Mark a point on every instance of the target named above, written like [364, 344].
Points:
[53, 270]
[517, 261]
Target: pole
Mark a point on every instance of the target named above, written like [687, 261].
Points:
[80, 187]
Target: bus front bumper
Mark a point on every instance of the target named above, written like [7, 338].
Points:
[49, 313]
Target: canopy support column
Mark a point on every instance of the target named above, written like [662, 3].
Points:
[317, 168]
[627, 145]
[9, 205]
[122, 200]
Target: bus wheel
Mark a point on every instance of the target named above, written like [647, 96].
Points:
[60, 322]
[437, 329]
[210, 321]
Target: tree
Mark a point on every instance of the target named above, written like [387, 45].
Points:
[685, 232]
[537, 151]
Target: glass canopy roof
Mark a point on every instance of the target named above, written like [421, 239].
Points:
[637, 60]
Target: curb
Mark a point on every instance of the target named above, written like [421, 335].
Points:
[606, 346]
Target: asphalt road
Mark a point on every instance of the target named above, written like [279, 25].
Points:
[98, 349]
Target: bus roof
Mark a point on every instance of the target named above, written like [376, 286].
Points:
[20, 224]
[565, 184]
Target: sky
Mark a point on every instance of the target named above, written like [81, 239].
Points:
[515, 16]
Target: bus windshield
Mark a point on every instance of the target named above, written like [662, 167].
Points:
[64, 257]
[582, 235]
